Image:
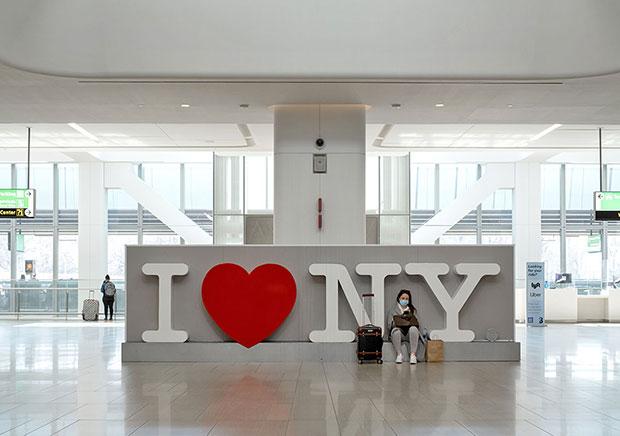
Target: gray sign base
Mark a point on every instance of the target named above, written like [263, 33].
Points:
[303, 352]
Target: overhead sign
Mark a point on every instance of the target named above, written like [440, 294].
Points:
[535, 294]
[607, 206]
[17, 203]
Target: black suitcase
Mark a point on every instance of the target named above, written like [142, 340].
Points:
[369, 341]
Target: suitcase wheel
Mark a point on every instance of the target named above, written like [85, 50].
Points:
[379, 361]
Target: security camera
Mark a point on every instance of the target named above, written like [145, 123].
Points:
[320, 143]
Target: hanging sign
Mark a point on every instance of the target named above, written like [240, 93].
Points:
[535, 282]
[607, 206]
[17, 203]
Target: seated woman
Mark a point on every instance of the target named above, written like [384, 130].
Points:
[403, 325]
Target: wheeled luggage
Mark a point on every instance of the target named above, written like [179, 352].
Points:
[369, 340]
[90, 308]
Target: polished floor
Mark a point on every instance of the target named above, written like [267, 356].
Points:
[66, 378]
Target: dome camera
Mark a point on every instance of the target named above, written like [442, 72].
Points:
[320, 142]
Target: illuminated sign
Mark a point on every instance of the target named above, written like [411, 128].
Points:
[17, 203]
[607, 206]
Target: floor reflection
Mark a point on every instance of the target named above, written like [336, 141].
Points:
[67, 378]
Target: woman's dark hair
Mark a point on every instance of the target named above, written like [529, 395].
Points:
[408, 293]
[107, 277]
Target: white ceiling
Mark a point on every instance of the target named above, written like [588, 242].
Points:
[33, 98]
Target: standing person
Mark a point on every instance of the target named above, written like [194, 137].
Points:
[108, 289]
[403, 325]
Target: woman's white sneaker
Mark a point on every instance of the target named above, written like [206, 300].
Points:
[399, 358]
[413, 360]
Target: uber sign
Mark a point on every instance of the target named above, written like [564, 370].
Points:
[274, 288]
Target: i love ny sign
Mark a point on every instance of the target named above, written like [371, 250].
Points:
[250, 306]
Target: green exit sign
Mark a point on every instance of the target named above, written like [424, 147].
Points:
[17, 203]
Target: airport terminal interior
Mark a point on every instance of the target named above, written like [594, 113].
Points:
[209, 213]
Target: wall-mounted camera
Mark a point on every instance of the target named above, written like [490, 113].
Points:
[320, 143]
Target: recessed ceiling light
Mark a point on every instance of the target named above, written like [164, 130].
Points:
[141, 105]
[244, 105]
[510, 106]
[545, 132]
[185, 105]
[396, 106]
[83, 131]
[439, 105]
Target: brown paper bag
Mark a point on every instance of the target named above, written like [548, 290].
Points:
[434, 351]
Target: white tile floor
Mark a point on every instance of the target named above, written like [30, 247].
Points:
[67, 378]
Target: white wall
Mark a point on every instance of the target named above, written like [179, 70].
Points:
[297, 189]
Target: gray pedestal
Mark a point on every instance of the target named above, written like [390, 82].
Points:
[302, 352]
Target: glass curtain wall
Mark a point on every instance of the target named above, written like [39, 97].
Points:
[40, 273]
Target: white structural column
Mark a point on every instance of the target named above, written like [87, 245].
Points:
[121, 176]
[526, 223]
[92, 228]
[496, 176]
[341, 188]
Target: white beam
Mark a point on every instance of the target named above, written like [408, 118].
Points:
[496, 176]
[121, 176]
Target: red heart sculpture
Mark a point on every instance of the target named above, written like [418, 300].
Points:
[248, 307]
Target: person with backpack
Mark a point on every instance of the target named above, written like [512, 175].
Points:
[108, 289]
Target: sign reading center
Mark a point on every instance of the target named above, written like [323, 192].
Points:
[17, 203]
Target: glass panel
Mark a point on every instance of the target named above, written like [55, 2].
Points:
[394, 229]
[68, 257]
[585, 267]
[120, 200]
[41, 179]
[497, 239]
[37, 248]
[5, 176]
[423, 187]
[228, 185]
[454, 239]
[199, 186]
[550, 181]
[613, 260]
[455, 179]
[116, 254]
[229, 229]
[551, 255]
[5, 257]
[169, 239]
[165, 179]
[394, 178]
[68, 186]
[259, 184]
[613, 177]
[581, 182]
[372, 184]
[499, 200]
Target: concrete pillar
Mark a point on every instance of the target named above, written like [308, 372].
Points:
[526, 223]
[92, 229]
[297, 188]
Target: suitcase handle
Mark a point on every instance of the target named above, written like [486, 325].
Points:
[91, 294]
[367, 295]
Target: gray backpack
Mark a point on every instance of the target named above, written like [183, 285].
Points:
[109, 290]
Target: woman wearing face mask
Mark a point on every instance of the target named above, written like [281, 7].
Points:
[403, 326]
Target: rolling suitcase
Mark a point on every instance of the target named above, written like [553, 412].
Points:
[90, 308]
[369, 340]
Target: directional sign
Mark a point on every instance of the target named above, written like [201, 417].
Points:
[607, 206]
[17, 203]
